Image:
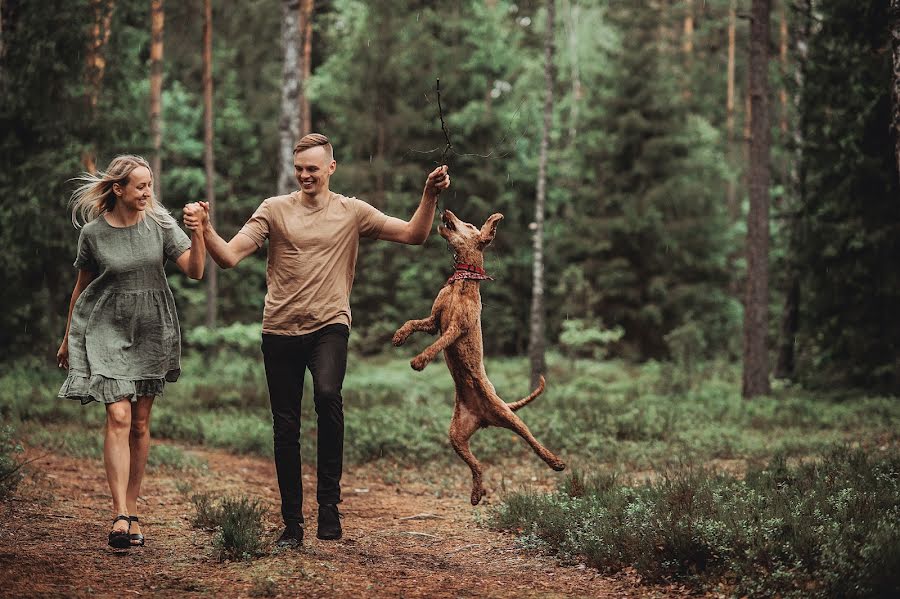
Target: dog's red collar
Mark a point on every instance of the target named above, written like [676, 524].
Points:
[468, 271]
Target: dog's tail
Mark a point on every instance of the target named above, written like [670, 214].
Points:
[524, 402]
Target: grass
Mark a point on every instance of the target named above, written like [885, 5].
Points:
[593, 412]
[828, 528]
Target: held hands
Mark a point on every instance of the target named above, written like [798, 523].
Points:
[438, 180]
[196, 215]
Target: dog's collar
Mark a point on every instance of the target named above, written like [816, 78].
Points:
[468, 271]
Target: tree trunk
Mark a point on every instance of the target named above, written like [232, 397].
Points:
[895, 45]
[306, 19]
[157, 22]
[537, 342]
[577, 93]
[733, 209]
[790, 320]
[212, 284]
[756, 363]
[95, 68]
[784, 170]
[289, 127]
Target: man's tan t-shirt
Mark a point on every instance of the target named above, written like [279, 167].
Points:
[311, 259]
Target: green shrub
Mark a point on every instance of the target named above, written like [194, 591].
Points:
[237, 524]
[207, 515]
[587, 338]
[828, 528]
[75, 442]
[10, 466]
[239, 535]
[175, 458]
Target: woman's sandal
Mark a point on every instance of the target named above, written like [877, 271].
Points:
[120, 539]
[137, 539]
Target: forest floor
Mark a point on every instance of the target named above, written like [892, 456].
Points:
[406, 534]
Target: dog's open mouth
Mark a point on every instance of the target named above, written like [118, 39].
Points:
[448, 223]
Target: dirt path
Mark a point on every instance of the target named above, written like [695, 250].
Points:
[52, 541]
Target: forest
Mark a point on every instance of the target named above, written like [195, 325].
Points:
[699, 249]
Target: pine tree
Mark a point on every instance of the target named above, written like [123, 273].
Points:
[651, 237]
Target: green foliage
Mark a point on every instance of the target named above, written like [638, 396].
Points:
[239, 535]
[173, 458]
[829, 528]
[847, 242]
[244, 338]
[649, 253]
[10, 465]
[639, 416]
[237, 523]
[585, 339]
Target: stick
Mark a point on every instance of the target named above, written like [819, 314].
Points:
[443, 124]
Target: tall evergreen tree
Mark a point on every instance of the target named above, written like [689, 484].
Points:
[850, 325]
[650, 238]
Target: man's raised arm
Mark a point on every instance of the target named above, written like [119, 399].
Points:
[225, 254]
[416, 230]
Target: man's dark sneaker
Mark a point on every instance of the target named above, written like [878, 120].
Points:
[291, 537]
[329, 522]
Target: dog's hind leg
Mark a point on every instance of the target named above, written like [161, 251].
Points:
[514, 423]
[425, 325]
[462, 427]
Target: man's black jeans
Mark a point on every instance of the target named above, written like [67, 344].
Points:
[286, 358]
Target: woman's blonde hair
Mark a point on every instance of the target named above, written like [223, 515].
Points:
[95, 194]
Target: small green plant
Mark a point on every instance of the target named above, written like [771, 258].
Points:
[587, 338]
[239, 535]
[207, 515]
[10, 466]
[237, 524]
[174, 458]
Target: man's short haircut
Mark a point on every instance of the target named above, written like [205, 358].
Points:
[311, 141]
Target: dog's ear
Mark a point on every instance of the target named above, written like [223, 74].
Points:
[489, 228]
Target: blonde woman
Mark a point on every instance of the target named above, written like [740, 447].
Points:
[122, 341]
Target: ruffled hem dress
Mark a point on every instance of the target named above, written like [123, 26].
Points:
[124, 338]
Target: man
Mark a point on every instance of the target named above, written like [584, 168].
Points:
[313, 238]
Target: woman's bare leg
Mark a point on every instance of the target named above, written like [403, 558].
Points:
[116, 456]
[139, 443]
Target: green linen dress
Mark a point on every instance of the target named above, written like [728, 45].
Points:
[124, 339]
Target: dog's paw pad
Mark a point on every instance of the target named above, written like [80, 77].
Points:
[418, 363]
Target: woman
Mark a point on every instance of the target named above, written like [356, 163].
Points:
[122, 341]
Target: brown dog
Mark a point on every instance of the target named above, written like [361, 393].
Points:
[457, 314]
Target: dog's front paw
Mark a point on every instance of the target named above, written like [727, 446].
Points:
[399, 338]
[477, 494]
[419, 362]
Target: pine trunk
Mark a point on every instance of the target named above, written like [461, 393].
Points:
[731, 200]
[756, 363]
[572, 17]
[157, 22]
[790, 320]
[895, 45]
[306, 20]
[212, 291]
[289, 127]
[537, 342]
[95, 68]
